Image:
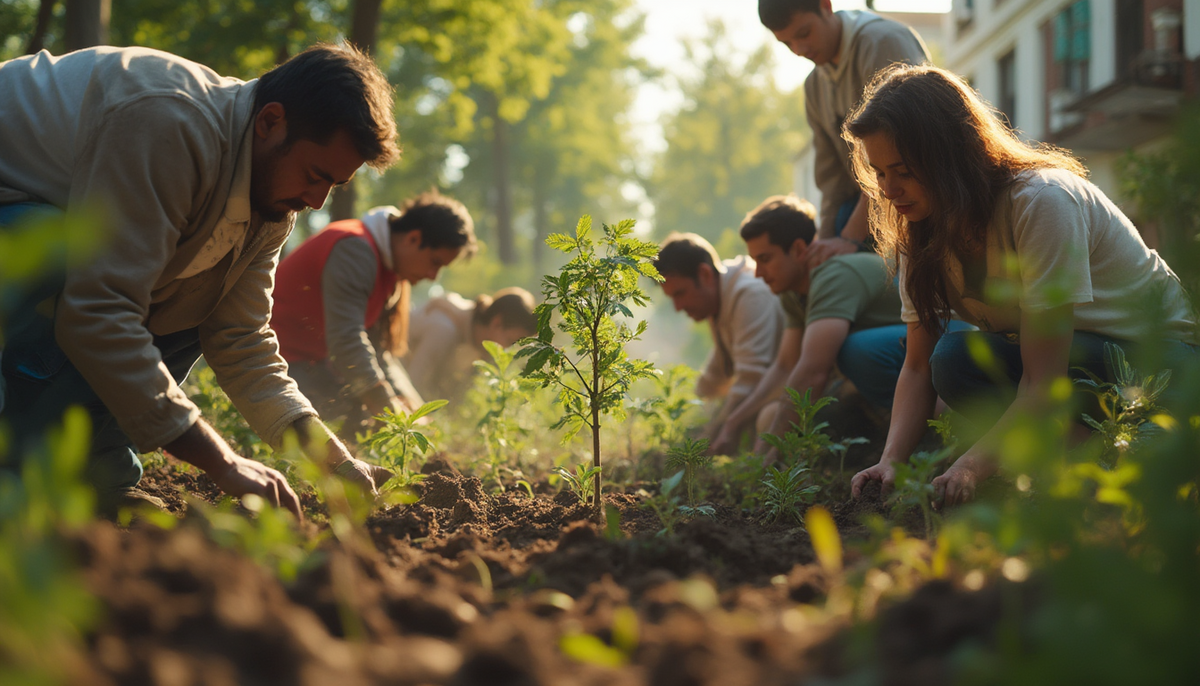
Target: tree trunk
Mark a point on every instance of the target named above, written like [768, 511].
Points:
[86, 23]
[503, 188]
[541, 220]
[37, 40]
[364, 28]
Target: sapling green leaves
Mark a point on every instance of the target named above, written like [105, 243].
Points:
[691, 456]
[589, 295]
[399, 440]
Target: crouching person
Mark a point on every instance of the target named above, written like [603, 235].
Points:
[447, 334]
[342, 304]
[844, 313]
[198, 178]
[745, 319]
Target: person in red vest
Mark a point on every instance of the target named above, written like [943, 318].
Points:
[342, 303]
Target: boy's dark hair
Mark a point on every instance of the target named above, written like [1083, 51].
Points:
[443, 222]
[327, 88]
[777, 14]
[681, 254]
[513, 305]
[784, 218]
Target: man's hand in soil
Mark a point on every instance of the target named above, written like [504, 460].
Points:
[314, 437]
[957, 485]
[233, 474]
[884, 473]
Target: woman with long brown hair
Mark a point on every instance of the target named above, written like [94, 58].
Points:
[1010, 237]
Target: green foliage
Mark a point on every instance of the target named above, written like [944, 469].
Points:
[667, 408]
[1127, 405]
[784, 491]
[665, 503]
[807, 441]
[202, 387]
[582, 482]
[270, 537]
[398, 441]
[913, 487]
[502, 394]
[589, 294]
[692, 456]
[731, 143]
[45, 608]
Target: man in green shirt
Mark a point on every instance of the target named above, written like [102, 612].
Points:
[844, 312]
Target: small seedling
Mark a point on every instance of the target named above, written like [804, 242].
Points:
[398, 441]
[581, 482]
[913, 486]
[690, 456]
[501, 392]
[589, 294]
[1127, 405]
[807, 441]
[784, 492]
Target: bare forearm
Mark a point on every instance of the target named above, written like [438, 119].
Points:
[768, 388]
[203, 447]
[802, 380]
[915, 399]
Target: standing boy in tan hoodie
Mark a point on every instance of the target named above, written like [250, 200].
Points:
[848, 48]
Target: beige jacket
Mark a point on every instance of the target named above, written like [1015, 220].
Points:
[441, 349]
[746, 334]
[162, 146]
[869, 43]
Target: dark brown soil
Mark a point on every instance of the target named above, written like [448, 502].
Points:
[467, 587]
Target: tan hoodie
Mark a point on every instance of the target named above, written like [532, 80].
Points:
[746, 334]
[869, 44]
[163, 145]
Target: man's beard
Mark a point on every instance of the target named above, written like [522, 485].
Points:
[262, 181]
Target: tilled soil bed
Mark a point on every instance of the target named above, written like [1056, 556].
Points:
[470, 588]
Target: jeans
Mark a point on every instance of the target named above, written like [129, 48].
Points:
[983, 394]
[38, 383]
[872, 359]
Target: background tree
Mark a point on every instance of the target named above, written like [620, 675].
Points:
[731, 144]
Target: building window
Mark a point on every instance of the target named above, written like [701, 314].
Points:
[1007, 66]
[1073, 46]
[1130, 40]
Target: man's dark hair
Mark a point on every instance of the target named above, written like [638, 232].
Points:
[777, 14]
[330, 87]
[784, 218]
[443, 222]
[681, 254]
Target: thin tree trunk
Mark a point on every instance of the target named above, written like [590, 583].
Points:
[596, 381]
[37, 40]
[86, 23]
[503, 188]
[364, 28]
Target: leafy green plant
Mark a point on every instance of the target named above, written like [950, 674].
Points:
[913, 485]
[691, 455]
[398, 441]
[501, 393]
[589, 293]
[582, 481]
[784, 491]
[666, 408]
[807, 441]
[1127, 404]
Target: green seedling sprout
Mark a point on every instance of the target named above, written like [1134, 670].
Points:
[807, 440]
[589, 294]
[691, 456]
[398, 441]
[1127, 405]
[914, 478]
[785, 490]
[501, 390]
[582, 481]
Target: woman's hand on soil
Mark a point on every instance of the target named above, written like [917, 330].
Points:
[884, 473]
[244, 476]
[368, 477]
[957, 485]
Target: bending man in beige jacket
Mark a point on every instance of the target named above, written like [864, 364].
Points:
[746, 318]
[196, 179]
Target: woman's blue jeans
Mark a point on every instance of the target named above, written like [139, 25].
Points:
[38, 383]
[872, 359]
[983, 392]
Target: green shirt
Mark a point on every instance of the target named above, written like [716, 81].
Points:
[855, 287]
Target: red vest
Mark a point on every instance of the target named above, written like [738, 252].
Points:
[298, 316]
